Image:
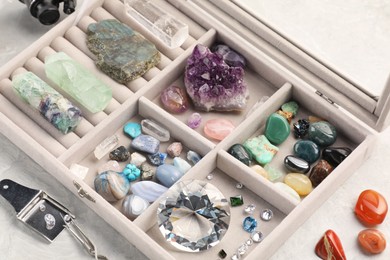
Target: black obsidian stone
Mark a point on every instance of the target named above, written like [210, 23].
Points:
[335, 155]
[296, 164]
[239, 152]
[120, 154]
[301, 128]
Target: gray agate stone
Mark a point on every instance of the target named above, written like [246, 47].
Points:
[133, 206]
[122, 53]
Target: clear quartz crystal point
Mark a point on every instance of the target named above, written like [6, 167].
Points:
[106, 146]
[152, 128]
[171, 31]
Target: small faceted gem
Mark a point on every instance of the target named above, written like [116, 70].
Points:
[299, 182]
[218, 129]
[157, 158]
[175, 149]
[257, 236]
[301, 127]
[210, 176]
[249, 209]
[111, 185]
[230, 57]
[277, 129]
[131, 172]
[194, 120]
[249, 224]
[322, 133]
[154, 129]
[330, 247]
[122, 53]
[133, 206]
[291, 107]
[242, 249]
[274, 174]
[106, 146]
[335, 155]
[146, 143]
[148, 190]
[120, 154]
[132, 129]
[239, 185]
[78, 82]
[371, 208]
[212, 84]
[288, 190]
[193, 157]
[181, 164]
[307, 150]
[261, 149]
[296, 164]
[147, 172]
[260, 170]
[137, 159]
[320, 172]
[266, 214]
[236, 201]
[372, 241]
[236, 256]
[222, 254]
[175, 99]
[168, 174]
[111, 165]
[239, 152]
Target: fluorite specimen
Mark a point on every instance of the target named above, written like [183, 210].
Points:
[372, 241]
[193, 216]
[212, 84]
[371, 208]
[78, 82]
[330, 247]
[58, 110]
[175, 99]
[122, 53]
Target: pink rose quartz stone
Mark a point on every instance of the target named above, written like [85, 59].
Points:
[218, 128]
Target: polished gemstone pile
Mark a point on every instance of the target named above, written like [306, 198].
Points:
[193, 216]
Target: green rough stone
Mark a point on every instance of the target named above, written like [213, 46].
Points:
[291, 107]
[261, 149]
[322, 133]
[78, 82]
[236, 201]
[277, 128]
[122, 53]
[239, 152]
[274, 174]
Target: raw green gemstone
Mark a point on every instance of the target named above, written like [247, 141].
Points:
[322, 133]
[236, 201]
[261, 149]
[277, 128]
[291, 107]
[78, 82]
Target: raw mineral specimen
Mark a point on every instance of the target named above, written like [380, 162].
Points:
[78, 82]
[122, 53]
[58, 110]
[175, 99]
[212, 84]
[231, 57]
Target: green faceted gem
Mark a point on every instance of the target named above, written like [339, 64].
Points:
[222, 254]
[261, 149]
[291, 107]
[78, 82]
[277, 129]
[236, 201]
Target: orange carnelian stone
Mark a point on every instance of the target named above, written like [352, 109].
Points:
[330, 247]
[371, 208]
[372, 241]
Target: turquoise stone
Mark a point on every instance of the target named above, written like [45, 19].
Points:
[146, 143]
[307, 150]
[239, 152]
[249, 224]
[78, 82]
[277, 129]
[168, 174]
[322, 133]
[291, 107]
[261, 149]
[132, 129]
[111, 185]
[131, 172]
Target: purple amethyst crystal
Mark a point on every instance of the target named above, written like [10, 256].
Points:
[212, 84]
[231, 57]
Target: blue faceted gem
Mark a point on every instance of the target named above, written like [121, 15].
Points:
[249, 224]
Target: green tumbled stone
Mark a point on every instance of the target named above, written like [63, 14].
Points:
[122, 53]
[322, 133]
[291, 107]
[261, 149]
[236, 201]
[78, 82]
[307, 150]
[277, 128]
[239, 152]
[274, 174]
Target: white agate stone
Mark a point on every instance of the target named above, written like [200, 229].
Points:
[288, 190]
[148, 190]
[137, 159]
[181, 164]
[133, 206]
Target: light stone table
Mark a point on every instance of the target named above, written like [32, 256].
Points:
[19, 242]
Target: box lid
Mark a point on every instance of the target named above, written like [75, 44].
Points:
[281, 36]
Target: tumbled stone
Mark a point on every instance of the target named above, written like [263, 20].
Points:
[371, 208]
[106, 146]
[168, 174]
[147, 172]
[132, 129]
[131, 172]
[146, 143]
[288, 190]
[152, 128]
[120, 154]
[296, 164]
[301, 127]
[261, 149]
[133, 206]
[274, 174]
[330, 247]
[212, 84]
[111, 185]
[260, 170]
[194, 157]
[322, 133]
[307, 150]
[319, 172]
[372, 241]
[335, 155]
[299, 182]
[175, 99]
[218, 129]
[110, 166]
[239, 152]
[277, 129]
[230, 57]
[137, 159]
[122, 53]
[291, 107]
[181, 164]
[194, 120]
[157, 158]
[148, 190]
[175, 149]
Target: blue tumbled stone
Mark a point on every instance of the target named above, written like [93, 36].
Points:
[132, 129]
[157, 158]
[249, 224]
[168, 174]
[307, 150]
[146, 143]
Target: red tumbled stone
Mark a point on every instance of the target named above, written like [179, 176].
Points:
[371, 208]
[330, 247]
[372, 241]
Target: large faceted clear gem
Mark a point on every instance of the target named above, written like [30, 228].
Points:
[193, 216]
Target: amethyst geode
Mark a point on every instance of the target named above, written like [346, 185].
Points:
[212, 84]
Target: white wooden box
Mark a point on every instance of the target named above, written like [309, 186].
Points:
[271, 72]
